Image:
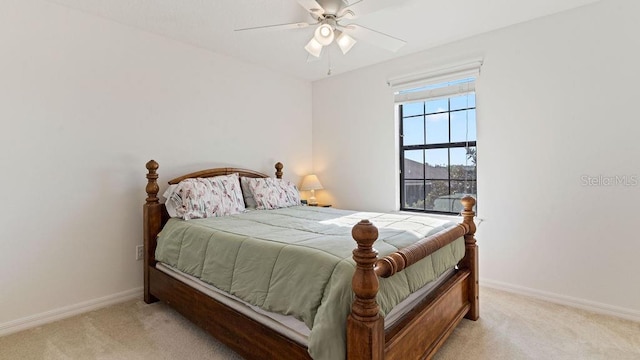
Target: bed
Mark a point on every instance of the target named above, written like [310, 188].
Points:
[417, 331]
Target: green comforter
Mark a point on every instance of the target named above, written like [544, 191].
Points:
[297, 261]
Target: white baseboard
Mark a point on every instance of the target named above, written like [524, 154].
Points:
[76, 309]
[68, 311]
[592, 306]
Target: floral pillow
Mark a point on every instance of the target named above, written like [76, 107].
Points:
[230, 193]
[270, 193]
[209, 197]
[292, 194]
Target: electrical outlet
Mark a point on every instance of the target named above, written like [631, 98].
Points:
[139, 252]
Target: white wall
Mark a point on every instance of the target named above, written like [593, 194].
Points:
[556, 101]
[84, 103]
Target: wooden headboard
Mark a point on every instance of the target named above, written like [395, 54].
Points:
[227, 171]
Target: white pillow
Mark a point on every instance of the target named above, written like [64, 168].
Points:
[249, 201]
[173, 200]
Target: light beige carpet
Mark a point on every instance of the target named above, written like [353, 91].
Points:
[511, 327]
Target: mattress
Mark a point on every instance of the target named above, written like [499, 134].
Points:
[298, 262]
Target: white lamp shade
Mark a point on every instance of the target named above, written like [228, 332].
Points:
[314, 48]
[310, 182]
[345, 42]
[324, 34]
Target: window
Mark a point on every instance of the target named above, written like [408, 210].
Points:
[437, 145]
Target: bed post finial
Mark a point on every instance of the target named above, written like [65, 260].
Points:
[365, 322]
[152, 182]
[279, 167]
[468, 202]
[470, 260]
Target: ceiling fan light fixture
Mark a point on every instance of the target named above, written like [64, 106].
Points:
[324, 34]
[313, 47]
[345, 42]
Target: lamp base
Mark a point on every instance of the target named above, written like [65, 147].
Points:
[312, 199]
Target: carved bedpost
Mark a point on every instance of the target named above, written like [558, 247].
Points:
[152, 223]
[365, 327]
[279, 167]
[470, 260]
[152, 182]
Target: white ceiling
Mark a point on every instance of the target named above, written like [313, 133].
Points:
[210, 24]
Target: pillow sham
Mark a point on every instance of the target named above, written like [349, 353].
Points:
[270, 193]
[231, 194]
[291, 192]
[208, 197]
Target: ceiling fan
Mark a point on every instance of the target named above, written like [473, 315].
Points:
[328, 15]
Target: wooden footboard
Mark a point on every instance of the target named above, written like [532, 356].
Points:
[417, 335]
[421, 332]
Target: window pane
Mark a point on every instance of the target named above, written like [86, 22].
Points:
[437, 162]
[463, 101]
[413, 131]
[435, 190]
[463, 163]
[437, 128]
[463, 126]
[410, 109]
[436, 106]
[414, 194]
[449, 203]
[462, 188]
[414, 164]
[463, 156]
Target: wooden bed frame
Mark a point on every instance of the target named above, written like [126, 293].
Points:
[418, 335]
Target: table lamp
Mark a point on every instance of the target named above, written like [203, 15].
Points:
[311, 183]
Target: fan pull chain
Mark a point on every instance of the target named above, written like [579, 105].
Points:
[330, 70]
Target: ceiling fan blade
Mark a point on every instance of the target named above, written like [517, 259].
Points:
[374, 37]
[312, 6]
[362, 7]
[298, 25]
